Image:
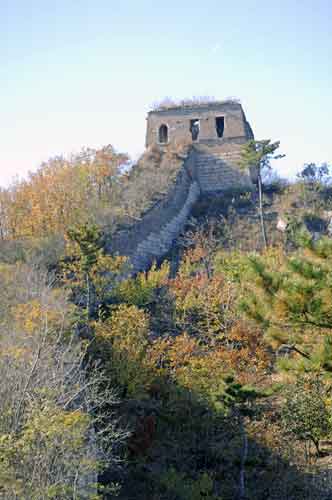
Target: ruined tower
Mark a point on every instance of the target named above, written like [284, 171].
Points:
[216, 130]
[216, 122]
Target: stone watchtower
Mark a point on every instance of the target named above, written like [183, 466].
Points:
[216, 131]
[215, 122]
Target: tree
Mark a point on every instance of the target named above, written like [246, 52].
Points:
[240, 398]
[290, 296]
[87, 269]
[313, 174]
[63, 190]
[315, 185]
[56, 429]
[122, 341]
[88, 240]
[305, 413]
[257, 155]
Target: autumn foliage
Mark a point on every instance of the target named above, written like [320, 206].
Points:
[60, 193]
[203, 360]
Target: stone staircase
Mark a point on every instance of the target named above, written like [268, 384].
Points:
[159, 243]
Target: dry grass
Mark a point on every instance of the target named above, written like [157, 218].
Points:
[169, 103]
[151, 178]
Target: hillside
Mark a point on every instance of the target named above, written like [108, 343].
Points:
[207, 375]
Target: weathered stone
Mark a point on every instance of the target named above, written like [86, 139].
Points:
[178, 121]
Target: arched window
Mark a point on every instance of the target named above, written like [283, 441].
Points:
[163, 134]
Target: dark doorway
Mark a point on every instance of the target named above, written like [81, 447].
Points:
[163, 134]
[194, 129]
[220, 125]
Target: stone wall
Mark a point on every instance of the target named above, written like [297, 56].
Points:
[208, 169]
[152, 237]
[217, 167]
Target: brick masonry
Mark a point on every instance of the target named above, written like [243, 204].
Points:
[178, 120]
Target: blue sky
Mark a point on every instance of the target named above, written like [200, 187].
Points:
[82, 73]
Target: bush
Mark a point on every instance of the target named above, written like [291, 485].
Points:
[51, 444]
[178, 486]
[123, 341]
[305, 413]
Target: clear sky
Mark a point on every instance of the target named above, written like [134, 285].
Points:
[84, 73]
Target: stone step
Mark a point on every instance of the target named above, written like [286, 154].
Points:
[158, 243]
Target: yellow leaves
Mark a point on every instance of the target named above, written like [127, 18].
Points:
[181, 351]
[139, 291]
[204, 305]
[199, 369]
[55, 424]
[172, 352]
[100, 272]
[213, 344]
[58, 194]
[127, 325]
[51, 438]
[34, 316]
[127, 333]
[16, 353]
[203, 375]
[29, 316]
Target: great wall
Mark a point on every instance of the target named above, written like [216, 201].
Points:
[215, 133]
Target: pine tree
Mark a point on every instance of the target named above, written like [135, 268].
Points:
[87, 269]
[292, 299]
[257, 155]
[240, 398]
[88, 239]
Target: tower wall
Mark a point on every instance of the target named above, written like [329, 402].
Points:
[178, 122]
